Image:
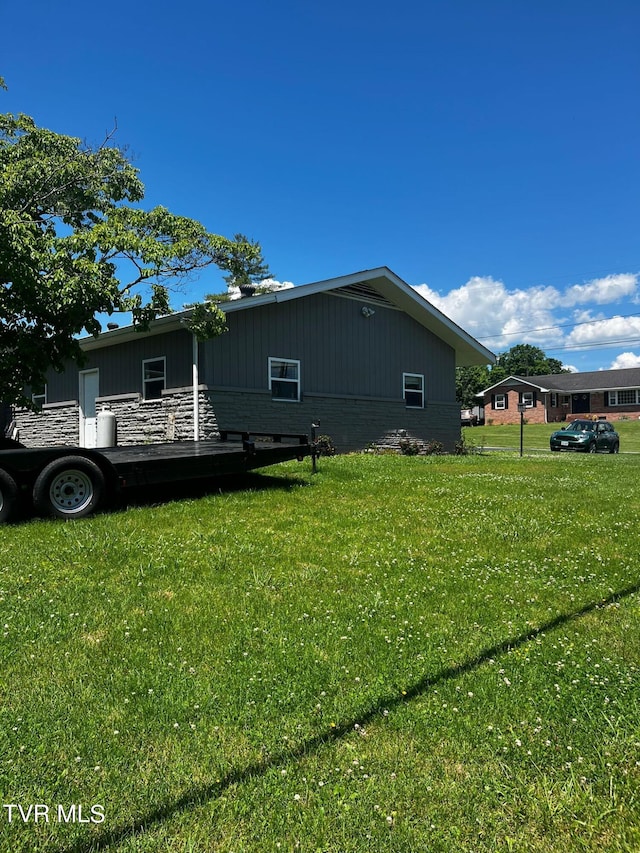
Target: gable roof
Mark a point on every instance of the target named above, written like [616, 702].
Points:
[575, 383]
[379, 285]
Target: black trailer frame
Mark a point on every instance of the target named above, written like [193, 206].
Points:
[73, 482]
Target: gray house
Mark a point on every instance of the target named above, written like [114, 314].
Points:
[363, 354]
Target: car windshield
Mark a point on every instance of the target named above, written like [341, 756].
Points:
[581, 426]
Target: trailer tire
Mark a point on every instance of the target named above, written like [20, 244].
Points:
[8, 495]
[70, 487]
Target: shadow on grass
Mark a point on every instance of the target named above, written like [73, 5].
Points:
[157, 495]
[205, 793]
[230, 483]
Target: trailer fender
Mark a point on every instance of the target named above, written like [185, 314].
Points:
[8, 495]
[69, 487]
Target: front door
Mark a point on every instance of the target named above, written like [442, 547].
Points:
[89, 391]
[580, 404]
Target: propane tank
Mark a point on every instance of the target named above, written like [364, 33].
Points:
[106, 428]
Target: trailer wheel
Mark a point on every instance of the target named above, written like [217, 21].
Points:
[71, 487]
[8, 495]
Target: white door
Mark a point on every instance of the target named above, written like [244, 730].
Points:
[89, 390]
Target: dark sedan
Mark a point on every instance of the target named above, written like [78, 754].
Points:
[589, 436]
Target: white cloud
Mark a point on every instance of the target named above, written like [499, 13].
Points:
[487, 310]
[602, 331]
[273, 284]
[540, 315]
[602, 291]
[268, 284]
[625, 359]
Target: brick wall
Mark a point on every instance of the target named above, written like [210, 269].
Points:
[511, 415]
[560, 412]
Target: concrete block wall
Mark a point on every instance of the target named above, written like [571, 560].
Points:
[352, 423]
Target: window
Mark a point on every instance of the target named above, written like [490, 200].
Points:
[154, 378]
[554, 400]
[500, 401]
[628, 397]
[528, 398]
[284, 379]
[413, 390]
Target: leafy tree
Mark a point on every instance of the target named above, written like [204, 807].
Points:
[73, 246]
[247, 268]
[469, 381]
[520, 360]
[524, 360]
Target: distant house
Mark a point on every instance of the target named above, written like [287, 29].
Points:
[364, 355]
[610, 394]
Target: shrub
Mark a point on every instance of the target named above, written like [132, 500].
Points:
[409, 448]
[324, 446]
[433, 448]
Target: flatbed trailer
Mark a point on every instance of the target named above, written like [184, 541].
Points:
[73, 482]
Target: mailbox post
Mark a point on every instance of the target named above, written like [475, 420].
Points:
[521, 408]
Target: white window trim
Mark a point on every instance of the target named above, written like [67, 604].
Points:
[614, 398]
[145, 381]
[296, 382]
[40, 400]
[420, 391]
[498, 399]
[527, 399]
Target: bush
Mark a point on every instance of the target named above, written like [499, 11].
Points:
[324, 446]
[433, 448]
[409, 448]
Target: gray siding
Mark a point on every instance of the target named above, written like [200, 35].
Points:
[351, 377]
[121, 366]
[341, 352]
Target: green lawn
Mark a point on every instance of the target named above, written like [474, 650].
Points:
[397, 654]
[536, 436]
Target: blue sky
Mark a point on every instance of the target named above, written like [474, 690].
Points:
[487, 152]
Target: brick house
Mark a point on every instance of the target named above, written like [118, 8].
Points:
[610, 394]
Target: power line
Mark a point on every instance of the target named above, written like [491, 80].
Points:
[594, 344]
[560, 326]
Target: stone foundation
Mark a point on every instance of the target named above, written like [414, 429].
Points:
[353, 423]
[170, 418]
[56, 424]
[138, 421]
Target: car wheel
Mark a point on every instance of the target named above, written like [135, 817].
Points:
[615, 448]
[592, 448]
[8, 496]
[71, 487]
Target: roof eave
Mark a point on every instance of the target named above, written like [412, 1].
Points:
[468, 351]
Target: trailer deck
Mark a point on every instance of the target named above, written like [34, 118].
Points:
[139, 465]
[72, 482]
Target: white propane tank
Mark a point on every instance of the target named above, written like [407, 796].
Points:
[106, 428]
